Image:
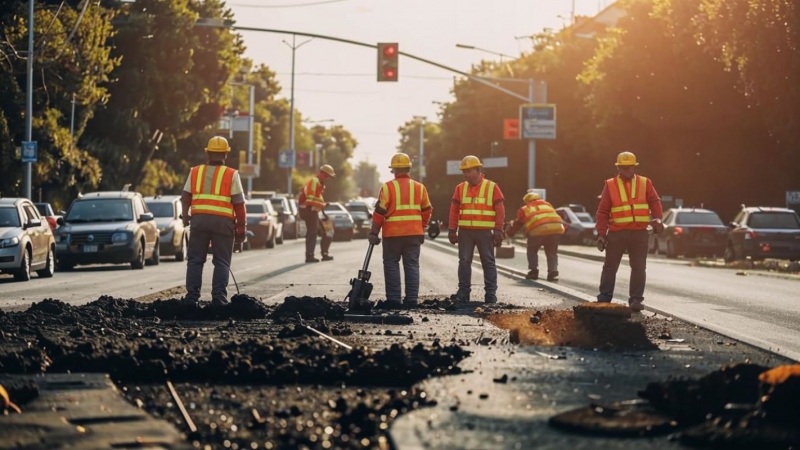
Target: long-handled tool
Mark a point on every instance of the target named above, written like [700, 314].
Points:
[361, 288]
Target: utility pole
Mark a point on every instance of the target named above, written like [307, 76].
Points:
[29, 101]
[531, 145]
[421, 123]
[251, 116]
[294, 48]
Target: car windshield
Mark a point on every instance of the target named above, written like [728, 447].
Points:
[44, 209]
[357, 207]
[697, 218]
[100, 210]
[774, 220]
[161, 209]
[584, 217]
[256, 208]
[277, 203]
[334, 207]
[9, 217]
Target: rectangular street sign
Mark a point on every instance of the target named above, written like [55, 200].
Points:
[541, 192]
[249, 170]
[286, 159]
[538, 121]
[30, 151]
[500, 161]
[453, 167]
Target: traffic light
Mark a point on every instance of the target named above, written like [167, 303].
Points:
[388, 58]
[303, 159]
[511, 129]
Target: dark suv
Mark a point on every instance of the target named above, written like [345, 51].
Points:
[764, 232]
[107, 228]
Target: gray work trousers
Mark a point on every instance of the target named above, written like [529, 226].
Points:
[635, 241]
[407, 248]
[313, 226]
[218, 231]
[467, 241]
[550, 244]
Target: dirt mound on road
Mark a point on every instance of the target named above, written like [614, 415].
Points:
[563, 328]
[308, 308]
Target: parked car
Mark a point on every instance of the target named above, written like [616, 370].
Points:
[173, 237]
[343, 224]
[262, 220]
[579, 227]
[361, 211]
[287, 216]
[107, 228]
[46, 211]
[763, 232]
[690, 232]
[26, 240]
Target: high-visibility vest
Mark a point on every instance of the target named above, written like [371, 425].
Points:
[404, 218]
[477, 213]
[309, 196]
[211, 190]
[541, 219]
[629, 211]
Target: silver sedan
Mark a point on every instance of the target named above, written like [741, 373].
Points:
[26, 241]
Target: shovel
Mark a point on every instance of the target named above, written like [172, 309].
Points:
[361, 288]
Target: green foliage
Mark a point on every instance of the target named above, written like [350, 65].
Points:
[367, 179]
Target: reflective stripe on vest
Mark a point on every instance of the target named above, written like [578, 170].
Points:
[629, 212]
[475, 210]
[541, 218]
[405, 211]
[311, 190]
[211, 192]
[404, 208]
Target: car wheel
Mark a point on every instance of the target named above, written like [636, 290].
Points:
[279, 240]
[730, 254]
[50, 265]
[671, 250]
[271, 240]
[138, 263]
[180, 255]
[24, 272]
[156, 258]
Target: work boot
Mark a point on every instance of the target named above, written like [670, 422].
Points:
[311, 259]
[490, 298]
[408, 303]
[327, 257]
[460, 296]
[552, 276]
[219, 302]
[636, 305]
[532, 274]
[189, 301]
[392, 304]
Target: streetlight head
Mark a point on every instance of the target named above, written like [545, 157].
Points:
[468, 47]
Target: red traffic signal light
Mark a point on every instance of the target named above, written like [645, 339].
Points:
[388, 59]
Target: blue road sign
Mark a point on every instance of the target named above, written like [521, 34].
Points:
[29, 151]
[286, 159]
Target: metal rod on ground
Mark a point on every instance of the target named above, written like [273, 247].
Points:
[234, 281]
[335, 341]
[184, 413]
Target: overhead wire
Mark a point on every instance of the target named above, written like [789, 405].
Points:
[289, 5]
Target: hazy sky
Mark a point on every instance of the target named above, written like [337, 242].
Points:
[338, 81]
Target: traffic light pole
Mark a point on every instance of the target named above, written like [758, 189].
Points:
[294, 48]
[531, 145]
[250, 120]
[29, 103]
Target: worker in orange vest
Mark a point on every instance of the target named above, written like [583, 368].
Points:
[628, 204]
[402, 212]
[213, 194]
[477, 215]
[544, 227]
[311, 204]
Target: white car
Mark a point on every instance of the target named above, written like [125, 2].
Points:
[26, 240]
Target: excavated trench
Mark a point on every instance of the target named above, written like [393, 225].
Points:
[250, 374]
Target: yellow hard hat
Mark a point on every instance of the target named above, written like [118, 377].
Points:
[469, 162]
[328, 169]
[400, 161]
[531, 196]
[626, 159]
[218, 144]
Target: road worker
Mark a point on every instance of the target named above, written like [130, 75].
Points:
[477, 214]
[213, 194]
[544, 227]
[628, 204]
[311, 204]
[402, 212]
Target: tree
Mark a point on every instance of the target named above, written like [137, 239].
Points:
[367, 179]
[337, 145]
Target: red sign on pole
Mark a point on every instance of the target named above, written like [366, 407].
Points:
[510, 128]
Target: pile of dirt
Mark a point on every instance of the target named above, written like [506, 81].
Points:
[307, 308]
[578, 328]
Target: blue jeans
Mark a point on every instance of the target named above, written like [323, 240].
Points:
[219, 232]
[635, 242]
[550, 244]
[407, 248]
[467, 241]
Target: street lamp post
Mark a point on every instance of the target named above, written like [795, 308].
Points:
[29, 101]
[294, 48]
[421, 123]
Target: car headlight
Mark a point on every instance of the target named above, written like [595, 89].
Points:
[120, 238]
[60, 237]
[9, 242]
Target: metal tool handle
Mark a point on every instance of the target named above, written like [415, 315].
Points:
[369, 256]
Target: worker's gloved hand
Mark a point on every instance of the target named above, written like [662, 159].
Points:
[601, 243]
[239, 234]
[422, 239]
[452, 236]
[186, 220]
[498, 238]
[658, 227]
[374, 239]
